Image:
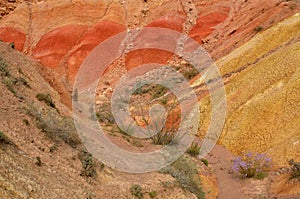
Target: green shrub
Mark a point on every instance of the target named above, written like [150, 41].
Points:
[88, 165]
[190, 73]
[186, 174]
[164, 101]
[22, 81]
[4, 139]
[38, 161]
[258, 28]
[105, 116]
[136, 191]
[295, 169]
[54, 125]
[152, 194]
[3, 68]
[26, 122]
[162, 138]
[142, 90]
[158, 91]
[204, 161]
[46, 98]
[53, 148]
[194, 149]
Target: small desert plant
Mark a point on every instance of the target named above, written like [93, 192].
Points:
[105, 114]
[164, 101]
[54, 125]
[88, 164]
[158, 91]
[3, 68]
[38, 161]
[53, 148]
[295, 169]
[26, 122]
[258, 28]
[190, 73]
[137, 191]
[186, 174]
[194, 149]
[4, 139]
[163, 138]
[252, 165]
[45, 98]
[10, 83]
[152, 194]
[142, 90]
[204, 161]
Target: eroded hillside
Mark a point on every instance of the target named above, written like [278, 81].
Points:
[262, 83]
[256, 45]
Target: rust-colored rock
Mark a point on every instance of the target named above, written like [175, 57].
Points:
[54, 45]
[9, 34]
[146, 56]
[206, 25]
[92, 37]
[172, 22]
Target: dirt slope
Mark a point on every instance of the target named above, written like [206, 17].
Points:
[44, 130]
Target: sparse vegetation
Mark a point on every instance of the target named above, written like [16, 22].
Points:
[4, 139]
[105, 115]
[295, 170]
[54, 125]
[158, 91]
[142, 90]
[204, 161]
[137, 191]
[152, 194]
[26, 122]
[186, 174]
[88, 164]
[194, 149]
[38, 161]
[163, 138]
[258, 28]
[3, 68]
[164, 101]
[190, 73]
[252, 165]
[46, 98]
[53, 148]
[9, 81]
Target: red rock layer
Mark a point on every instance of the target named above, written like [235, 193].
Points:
[54, 45]
[91, 38]
[172, 22]
[9, 34]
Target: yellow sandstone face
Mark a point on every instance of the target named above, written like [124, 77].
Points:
[263, 89]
